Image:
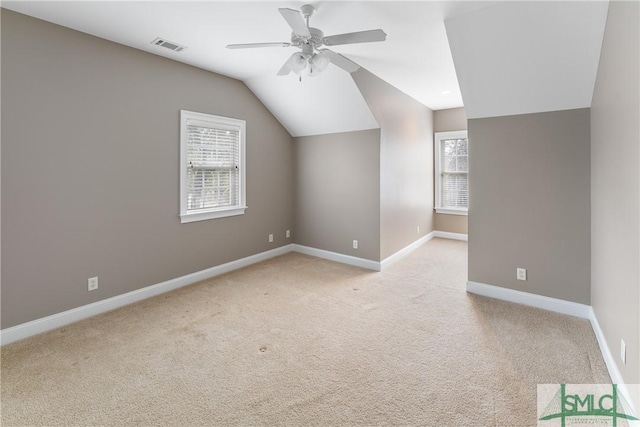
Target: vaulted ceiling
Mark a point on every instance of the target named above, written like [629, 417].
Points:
[510, 57]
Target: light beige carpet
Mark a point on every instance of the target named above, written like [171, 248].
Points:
[300, 341]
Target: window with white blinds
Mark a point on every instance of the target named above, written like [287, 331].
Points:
[212, 166]
[452, 172]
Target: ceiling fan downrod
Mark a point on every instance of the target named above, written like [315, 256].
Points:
[307, 11]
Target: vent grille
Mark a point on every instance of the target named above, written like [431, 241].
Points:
[169, 45]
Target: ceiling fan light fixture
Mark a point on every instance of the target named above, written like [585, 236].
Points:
[297, 62]
[318, 63]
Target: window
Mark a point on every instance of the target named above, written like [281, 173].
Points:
[212, 166]
[452, 172]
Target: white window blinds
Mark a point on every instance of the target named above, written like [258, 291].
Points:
[212, 149]
[452, 171]
[213, 167]
[455, 169]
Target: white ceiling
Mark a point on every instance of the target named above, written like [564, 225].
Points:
[415, 58]
[511, 57]
[528, 57]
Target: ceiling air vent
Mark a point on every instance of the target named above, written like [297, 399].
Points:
[169, 45]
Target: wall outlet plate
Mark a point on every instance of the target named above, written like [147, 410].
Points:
[355, 244]
[92, 283]
[270, 238]
[287, 234]
[623, 352]
[521, 273]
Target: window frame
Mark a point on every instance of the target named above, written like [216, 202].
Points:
[211, 213]
[439, 136]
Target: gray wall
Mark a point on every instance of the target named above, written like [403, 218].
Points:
[529, 203]
[406, 162]
[90, 149]
[338, 192]
[446, 121]
[615, 188]
[449, 120]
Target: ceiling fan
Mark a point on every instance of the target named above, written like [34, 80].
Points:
[311, 40]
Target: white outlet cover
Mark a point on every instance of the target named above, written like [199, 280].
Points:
[623, 352]
[355, 244]
[92, 284]
[288, 234]
[521, 273]
[270, 238]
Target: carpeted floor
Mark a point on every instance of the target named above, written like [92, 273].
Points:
[301, 341]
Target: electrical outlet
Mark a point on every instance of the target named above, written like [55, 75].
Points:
[418, 229]
[270, 238]
[287, 234]
[623, 352]
[521, 273]
[355, 244]
[92, 283]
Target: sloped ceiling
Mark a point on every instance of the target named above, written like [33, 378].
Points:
[511, 57]
[527, 57]
[415, 58]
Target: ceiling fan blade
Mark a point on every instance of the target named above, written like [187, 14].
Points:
[295, 21]
[284, 70]
[358, 37]
[341, 61]
[252, 45]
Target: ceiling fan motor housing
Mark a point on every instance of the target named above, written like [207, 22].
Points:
[315, 39]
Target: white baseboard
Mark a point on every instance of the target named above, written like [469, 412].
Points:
[612, 366]
[335, 256]
[58, 320]
[375, 265]
[610, 361]
[364, 263]
[453, 236]
[532, 300]
[405, 251]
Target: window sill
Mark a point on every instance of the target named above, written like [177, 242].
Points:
[452, 211]
[202, 216]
